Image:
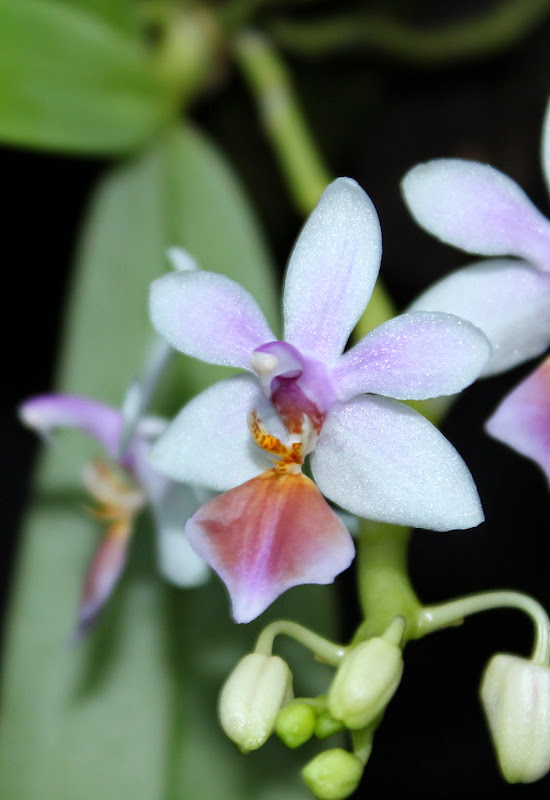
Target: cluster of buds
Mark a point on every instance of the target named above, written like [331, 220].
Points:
[257, 700]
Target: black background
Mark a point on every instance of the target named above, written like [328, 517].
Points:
[374, 120]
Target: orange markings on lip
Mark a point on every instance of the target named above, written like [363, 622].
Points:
[286, 458]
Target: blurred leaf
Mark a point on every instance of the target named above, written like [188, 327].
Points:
[71, 81]
[132, 712]
[123, 14]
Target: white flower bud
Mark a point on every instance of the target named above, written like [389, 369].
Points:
[515, 694]
[365, 682]
[251, 698]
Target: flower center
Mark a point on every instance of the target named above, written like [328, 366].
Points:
[286, 459]
[297, 385]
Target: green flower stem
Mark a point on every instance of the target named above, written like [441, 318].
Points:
[282, 119]
[363, 739]
[327, 651]
[385, 591]
[433, 618]
[498, 28]
[288, 132]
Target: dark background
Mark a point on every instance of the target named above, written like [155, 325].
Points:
[374, 119]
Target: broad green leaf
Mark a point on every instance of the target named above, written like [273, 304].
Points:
[71, 81]
[123, 14]
[132, 712]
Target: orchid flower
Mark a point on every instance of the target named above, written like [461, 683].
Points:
[480, 210]
[249, 435]
[121, 487]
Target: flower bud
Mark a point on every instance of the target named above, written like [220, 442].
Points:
[333, 774]
[515, 694]
[295, 724]
[365, 682]
[252, 697]
[326, 725]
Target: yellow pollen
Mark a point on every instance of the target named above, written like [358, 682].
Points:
[287, 458]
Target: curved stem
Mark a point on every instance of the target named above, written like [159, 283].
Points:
[433, 618]
[283, 121]
[293, 143]
[325, 650]
[488, 33]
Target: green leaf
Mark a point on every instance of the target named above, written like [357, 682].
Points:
[123, 14]
[71, 81]
[132, 712]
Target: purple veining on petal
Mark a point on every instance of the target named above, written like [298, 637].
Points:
[46, 412]
[522, 420]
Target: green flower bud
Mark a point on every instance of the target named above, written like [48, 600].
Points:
[295, 724]
[333, 774]
[326, 725]
[365, 682]
[252, 697]
[515, 694]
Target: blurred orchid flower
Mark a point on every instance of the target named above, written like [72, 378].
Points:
[121, 488]
[480, 210]
[373, 456]
[127, 483]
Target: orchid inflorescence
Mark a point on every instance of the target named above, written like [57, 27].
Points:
[227, 482]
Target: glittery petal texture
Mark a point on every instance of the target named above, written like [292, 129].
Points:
[332, 271]
[383, 461]
[508, 300]
[44, 413]
[412, 357]
[522, 420]
[271, 533]
[209, 317]
[477, 208]
[209, 443]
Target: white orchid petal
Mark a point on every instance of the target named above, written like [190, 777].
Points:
[478, 209]
[383, 461]
[413, 357]
[332, 271]
[209, 442]
[508, 300]
[208, 316]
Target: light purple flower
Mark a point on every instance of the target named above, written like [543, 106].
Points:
[121, 492]
[522, 420]
[480, 210]
[370, 454]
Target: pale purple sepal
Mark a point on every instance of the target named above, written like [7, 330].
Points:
[383, 461]
[478, 209]
[209, 442]
[208, 316]
[508, 300]
[44, 413]
[332, 271]
[413, 357]
[522, 420]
